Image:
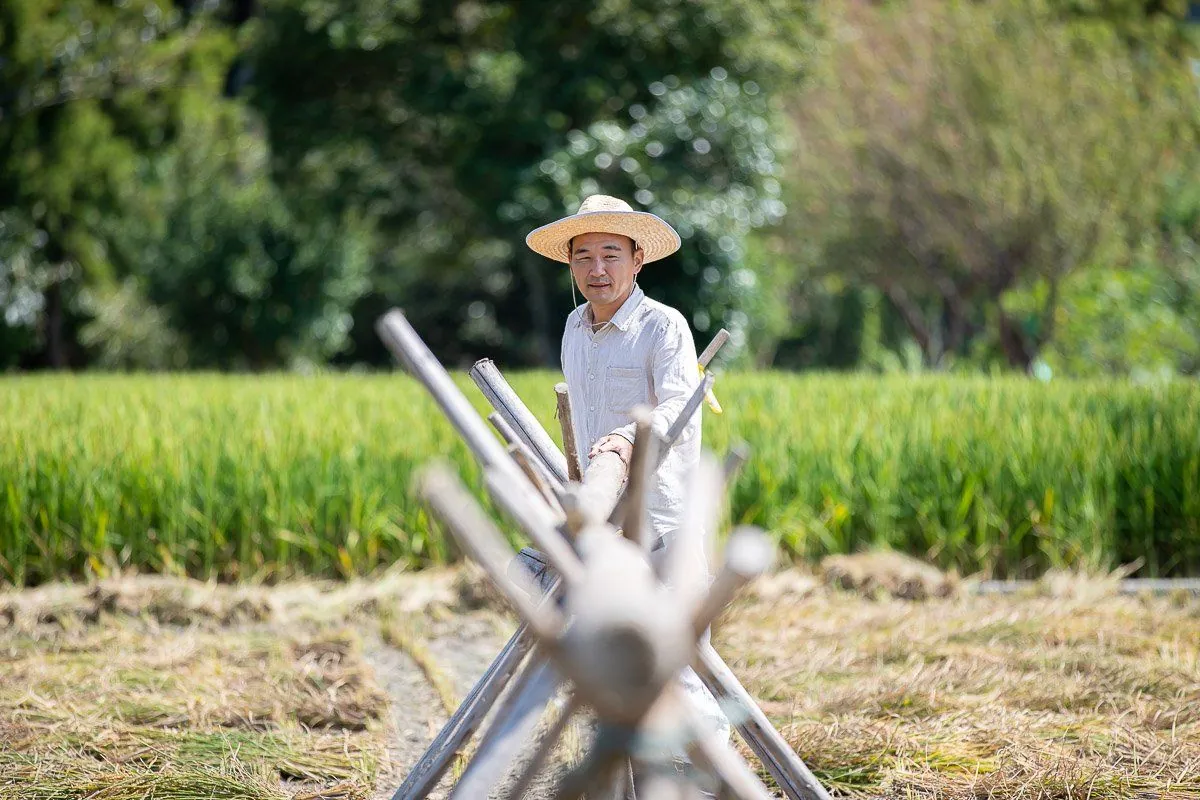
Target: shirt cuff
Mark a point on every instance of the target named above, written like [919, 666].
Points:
[626, 432]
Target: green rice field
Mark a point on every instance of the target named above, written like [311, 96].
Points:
[240, 477]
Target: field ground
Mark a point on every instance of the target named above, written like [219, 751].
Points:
[172, 689]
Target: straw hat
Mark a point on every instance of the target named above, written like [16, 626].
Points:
[603, 214]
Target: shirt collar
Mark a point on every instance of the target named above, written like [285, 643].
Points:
[625, 312]
[623, 315]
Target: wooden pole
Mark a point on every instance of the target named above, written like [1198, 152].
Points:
[527, 460]
[537, 521]
[633, 524]
[515, 721]
[506, 402]
[685, 416]
[748, 555]
[732, 772]
[602, 485]
[428, 770]
[714, 346]
[478, 536]
[544, 748]
[793, 777]
[524, 459]
[406, 345]
[567, 424]
[503, 428]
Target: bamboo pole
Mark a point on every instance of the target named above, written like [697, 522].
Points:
[428, 770]
[544, 748]
[506, 402]
[536, 520]
[478, 536]
[399, 337]
[714, 346]
[793, 777]
[602, 485]
[633, 524]
[515, 721]
[567, 424]
[748, 555]
[524, 459]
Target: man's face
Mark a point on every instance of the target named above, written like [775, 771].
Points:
[604, 266]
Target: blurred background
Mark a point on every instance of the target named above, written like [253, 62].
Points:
[1001, 185]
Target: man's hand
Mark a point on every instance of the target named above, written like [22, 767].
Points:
[613, 443]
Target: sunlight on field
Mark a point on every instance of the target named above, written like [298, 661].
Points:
[270, 476]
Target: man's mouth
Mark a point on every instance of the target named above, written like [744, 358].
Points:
[599, 285]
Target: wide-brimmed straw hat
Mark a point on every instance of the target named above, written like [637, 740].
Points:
[603, 214]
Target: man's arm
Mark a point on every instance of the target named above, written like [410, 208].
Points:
[675, 377]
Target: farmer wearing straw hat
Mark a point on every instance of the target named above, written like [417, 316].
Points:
[620, 349]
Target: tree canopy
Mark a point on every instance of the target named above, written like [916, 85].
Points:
[933, 183]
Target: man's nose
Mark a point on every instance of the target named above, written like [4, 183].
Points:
[597, 269]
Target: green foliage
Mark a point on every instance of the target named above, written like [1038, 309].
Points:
[1141, 322]
[94, 86]
[951, 153]
[443, 120]
[25, 276]
[241, 185]
[246, 280]
[232, 477]
[703, 158]
[159, 238]
[126, 332]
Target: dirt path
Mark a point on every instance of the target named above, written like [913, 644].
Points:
[416, 710]
[457, 651]
[460, 649]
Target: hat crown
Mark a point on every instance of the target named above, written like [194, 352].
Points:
[602, 202]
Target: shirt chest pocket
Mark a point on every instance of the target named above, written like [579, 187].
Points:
[624, 388]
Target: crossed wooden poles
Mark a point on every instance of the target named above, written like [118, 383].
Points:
[600, 623]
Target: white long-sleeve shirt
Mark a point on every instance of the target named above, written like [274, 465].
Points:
[643, 356]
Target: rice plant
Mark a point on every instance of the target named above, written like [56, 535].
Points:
[240, 477]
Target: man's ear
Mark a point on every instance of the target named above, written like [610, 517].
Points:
[638, 256]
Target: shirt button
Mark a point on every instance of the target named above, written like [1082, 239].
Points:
[591, 408]
[591, 377]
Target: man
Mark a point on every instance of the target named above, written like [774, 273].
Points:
[620, 349]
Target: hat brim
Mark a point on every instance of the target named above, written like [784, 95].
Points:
[656, 238]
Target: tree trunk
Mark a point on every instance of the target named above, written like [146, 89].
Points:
[56, 350]
[545, 351]
[1016, 348]
[913, 318]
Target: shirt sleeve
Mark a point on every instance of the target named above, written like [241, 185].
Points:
[674, 374]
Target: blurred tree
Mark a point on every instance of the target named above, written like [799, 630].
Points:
[703, 158]
[244, 279]
[952, 153]
[1141, 24]
[86, 87]
[460, 125]
[25, 276]
[1143, 321]
[139, 223]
